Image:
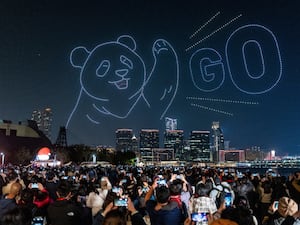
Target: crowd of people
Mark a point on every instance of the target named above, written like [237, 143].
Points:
[118, 195]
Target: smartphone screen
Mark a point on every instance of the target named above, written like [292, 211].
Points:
[120, 202]
[116, 189]
[38, 220]
[162, 182]
[200, 217]
[145, 189]
[34, 186]
[124, 181]
[179, 177]
[228, 199]
[275, 204]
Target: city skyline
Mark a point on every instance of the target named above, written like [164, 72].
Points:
[101, 66]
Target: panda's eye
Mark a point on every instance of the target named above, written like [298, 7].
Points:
[103, 68]
[126, 61]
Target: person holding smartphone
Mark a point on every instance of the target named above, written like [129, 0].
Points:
[112, 215]
[287, 212]
[160, 210]
[11, 178]
[96, 198]
[121, 201]
[201, 202]
[294, 186]
[208, 220]
[142, 189]
[242, 202]
[41, 197]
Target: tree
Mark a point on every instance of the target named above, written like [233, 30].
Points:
[123, 157]
[23, 156]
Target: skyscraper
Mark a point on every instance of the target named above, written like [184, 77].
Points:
[43, 120]
[124, 140]
[218, 140]
[149, 139]
[135, 144]
[173, 139]
[200, 146]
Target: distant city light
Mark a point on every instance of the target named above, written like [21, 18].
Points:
[272, 154]
[2, 158]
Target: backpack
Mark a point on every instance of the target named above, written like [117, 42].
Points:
[220, 194]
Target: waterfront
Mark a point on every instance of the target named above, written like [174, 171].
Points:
[276, 171]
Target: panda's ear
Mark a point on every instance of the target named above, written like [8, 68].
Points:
[78, 56]
[128, 41]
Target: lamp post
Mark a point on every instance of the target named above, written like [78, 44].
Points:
[215, 127]
[2, 158]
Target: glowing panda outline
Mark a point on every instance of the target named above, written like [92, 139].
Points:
[167, 95]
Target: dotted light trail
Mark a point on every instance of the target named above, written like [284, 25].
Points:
[222, 100]
[212, 109]
[211, 34]
[204, 25]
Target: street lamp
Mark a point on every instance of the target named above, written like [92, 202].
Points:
[2, 158]
[215, 127]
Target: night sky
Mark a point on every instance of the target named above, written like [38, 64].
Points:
[103, 65]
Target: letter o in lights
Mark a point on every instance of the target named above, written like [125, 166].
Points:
[253, 59]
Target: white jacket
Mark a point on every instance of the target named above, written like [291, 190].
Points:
[95, 201]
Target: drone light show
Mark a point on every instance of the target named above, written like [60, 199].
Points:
[132, 64]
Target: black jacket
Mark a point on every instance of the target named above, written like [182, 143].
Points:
[63, 212]
[6, 205]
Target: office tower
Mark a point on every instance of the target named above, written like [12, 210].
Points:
[124, 140]
[149, 139]
[43, 120]
[171, 124]
[186, 150]
[218, 140]
[173, 139]
[47, 122]
[135, 144]
[37, 117]
[200, 146]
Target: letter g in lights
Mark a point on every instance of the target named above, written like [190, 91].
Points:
[207, 69]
